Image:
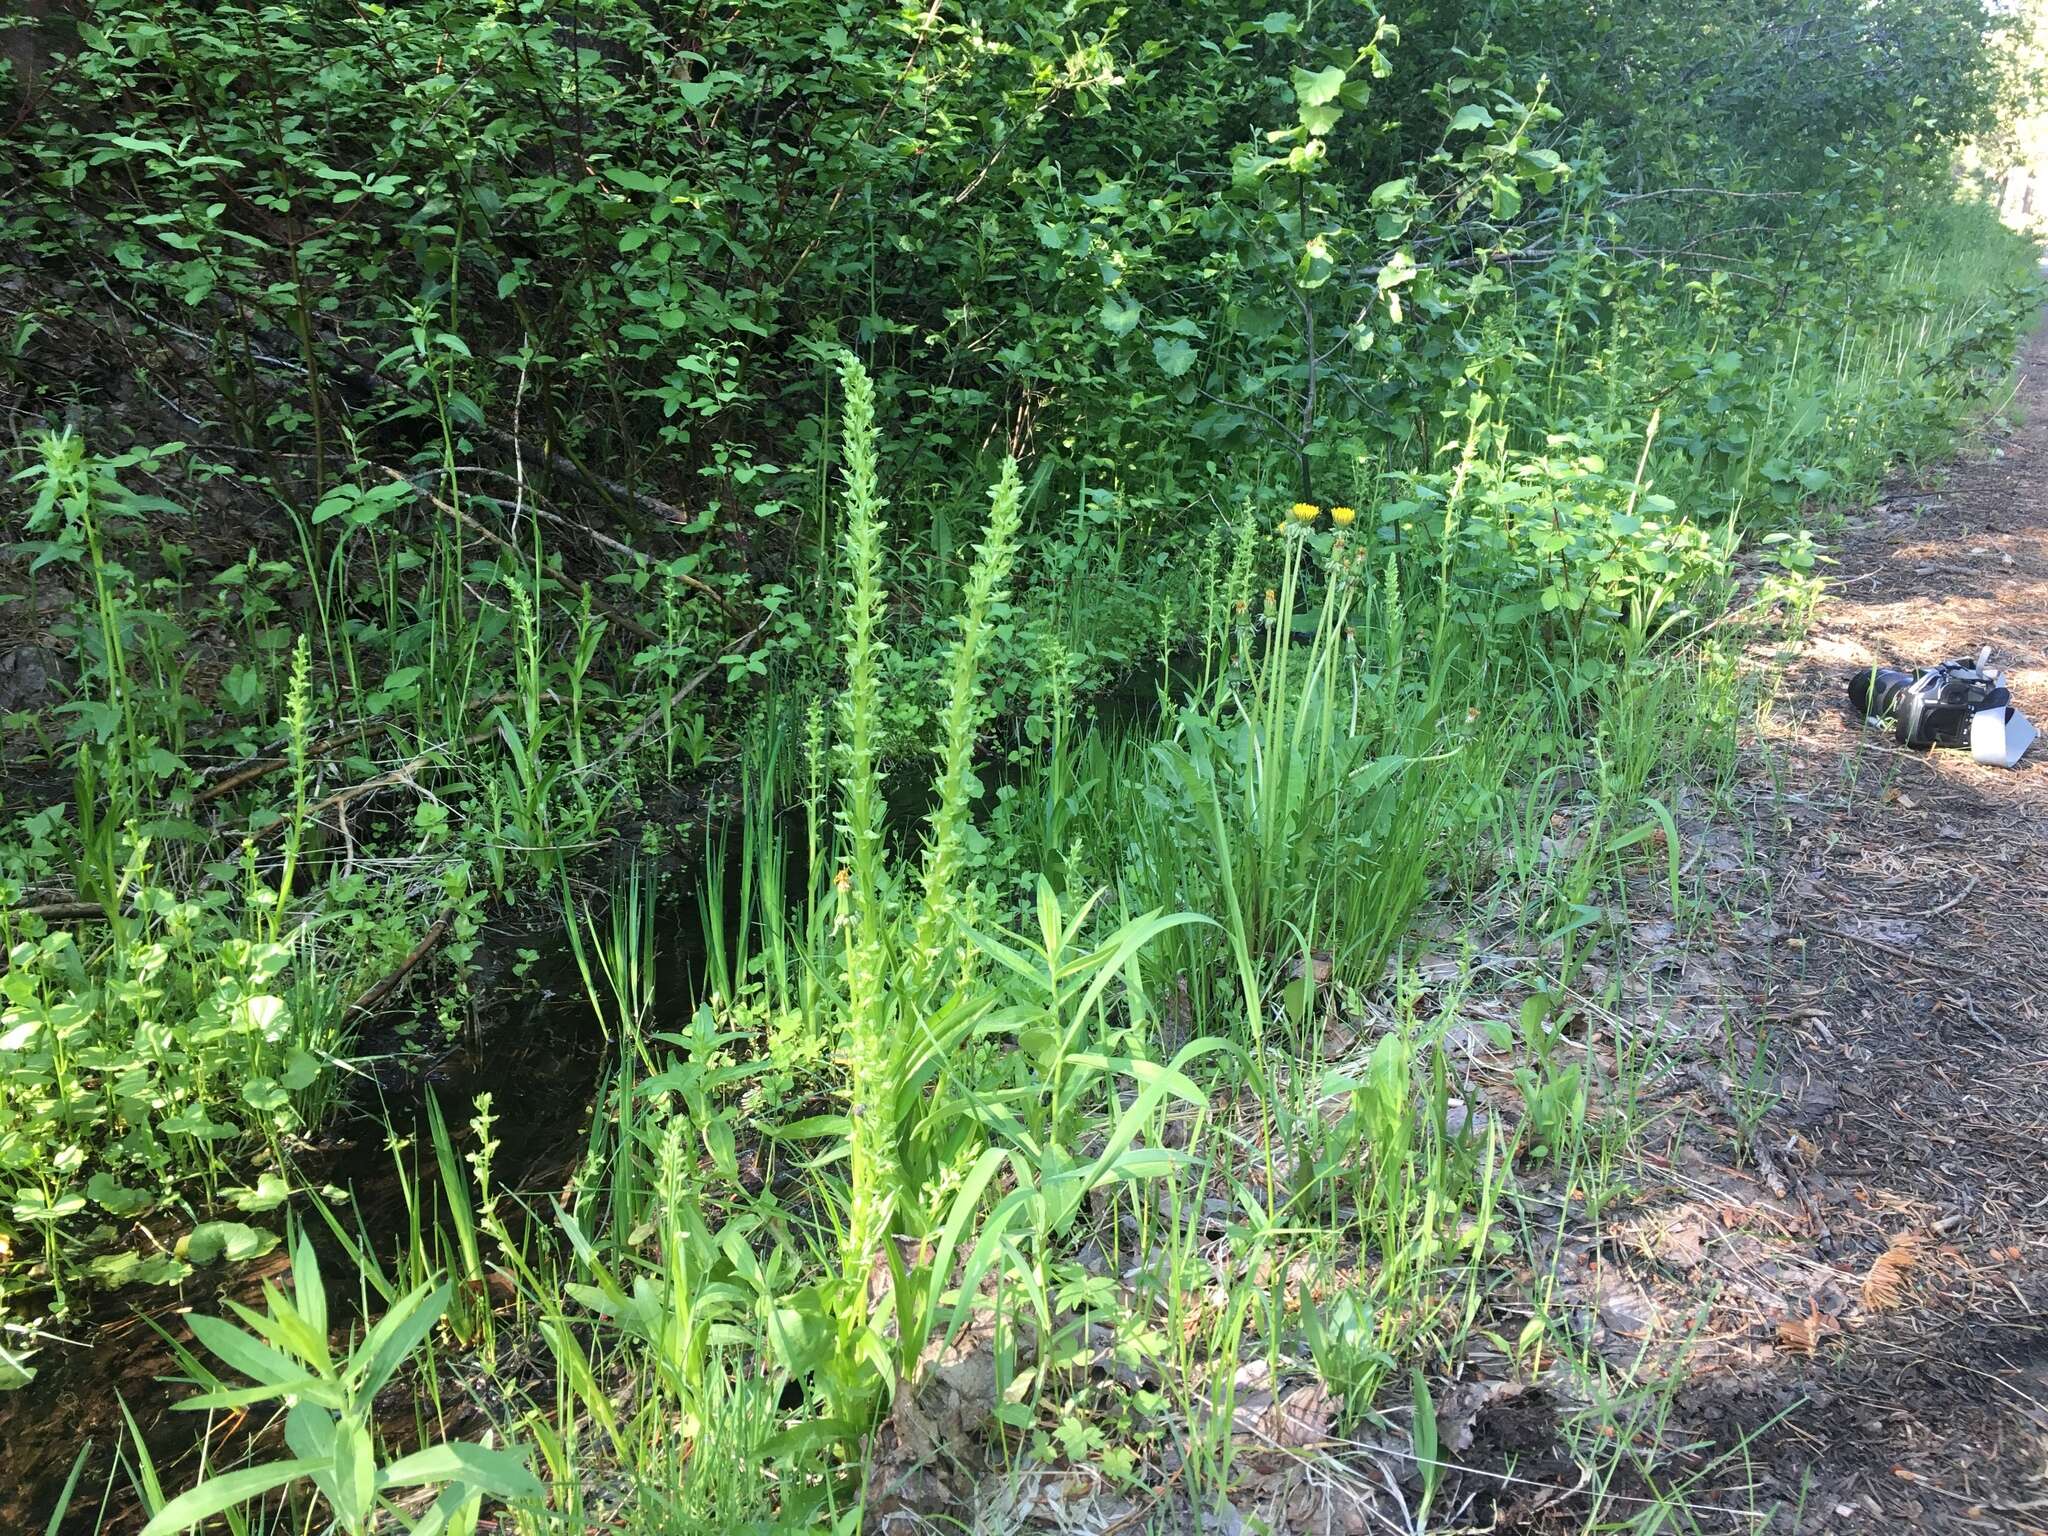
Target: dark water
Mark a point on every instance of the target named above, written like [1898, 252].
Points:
[533, 1045]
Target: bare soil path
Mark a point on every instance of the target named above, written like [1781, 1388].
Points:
[1897, 1310]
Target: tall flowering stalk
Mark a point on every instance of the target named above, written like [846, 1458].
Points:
[938, 948]
[867, 1048]
[298, 715]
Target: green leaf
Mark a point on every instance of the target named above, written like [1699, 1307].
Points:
[218, 1494]
[1318, 88]
[1119, 315]
[398, 1334]
[1426, 1440]
[354, 1482]
[1320, 120]
[310, 1432]
[1315, 265]
[455, 1510]
[132, 1268]
[308, 1293]
[502, 1474]
[264, 1094]
[108, 1194]
[231, 1240]
[1173, 355]
[301, 1071]
[1396, 270]
[633, 181]
[242, 1351]
[1471, 116]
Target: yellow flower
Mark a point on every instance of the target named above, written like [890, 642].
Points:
[1304, 511]
[1343, 517]
[1272, 597]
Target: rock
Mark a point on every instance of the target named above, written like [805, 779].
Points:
[29, 676]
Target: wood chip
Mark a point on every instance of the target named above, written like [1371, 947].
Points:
[1802, 1335]
[1885, 1286]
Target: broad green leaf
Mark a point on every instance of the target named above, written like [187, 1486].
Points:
[1173, 355]
[632, 180]
[1119, 315]
[502, 1474]
[234, 1241]
[1318, 88]
[219, 1494]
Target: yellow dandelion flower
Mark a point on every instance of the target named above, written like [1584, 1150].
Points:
[1343, 517]
[1304, 511]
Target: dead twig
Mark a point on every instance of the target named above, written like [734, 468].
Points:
[429, 941]
[262, 767]
[603, 540]
[1766, 1166]
[690, 686]
[64, 911]
[624, 620]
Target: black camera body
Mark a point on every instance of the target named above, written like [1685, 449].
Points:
[1932, 708]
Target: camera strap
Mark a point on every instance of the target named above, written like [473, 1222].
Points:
[2000, 737]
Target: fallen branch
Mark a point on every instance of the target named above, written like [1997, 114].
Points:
[429, 941]
[1766, 1166]
[667, 511]
[624, 620]
[383, 780]
[689, 687]
[263, 767]
[63, 911]
[603, 540]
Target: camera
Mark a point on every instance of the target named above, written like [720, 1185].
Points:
[1934, 708]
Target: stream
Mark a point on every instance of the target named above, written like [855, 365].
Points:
[534, 1046]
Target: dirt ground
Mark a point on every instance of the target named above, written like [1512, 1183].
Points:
[1868, 1295]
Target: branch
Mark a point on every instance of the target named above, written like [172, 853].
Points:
[624, 620]
[602, 540]
[383, 989]
[690, 686]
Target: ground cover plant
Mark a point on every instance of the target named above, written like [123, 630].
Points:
[1151, 586]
